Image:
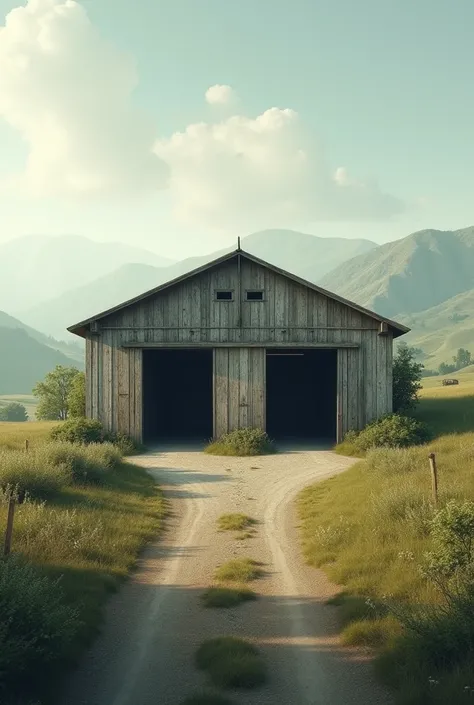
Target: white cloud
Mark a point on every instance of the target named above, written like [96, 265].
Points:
[68, 92]
[220, 95]
[262, 172]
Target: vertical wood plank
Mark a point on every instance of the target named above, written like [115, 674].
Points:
[89, 373]
[221, 391]
[244, 400]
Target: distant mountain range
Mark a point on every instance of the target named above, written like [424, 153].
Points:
[27, 355]
[306, 255]
[425, 280]
[40, 267]
[24, 361]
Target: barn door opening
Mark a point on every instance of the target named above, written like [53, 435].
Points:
[302, 394]
[177, 395]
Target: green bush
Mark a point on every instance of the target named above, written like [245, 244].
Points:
[30, 473]
[79, 431]
[85, 431]
[391, 431]
[231, 663]
[242, 442]
[36, 626]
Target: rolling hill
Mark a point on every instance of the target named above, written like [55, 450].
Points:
[409, 275]
[24, 361]
[38, 267]
[309, 256]
[73, 349]
[441, 330]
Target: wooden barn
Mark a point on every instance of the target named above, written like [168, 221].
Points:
[238, 343]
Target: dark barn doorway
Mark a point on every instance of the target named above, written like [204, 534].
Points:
[302, 394]
[177, 394]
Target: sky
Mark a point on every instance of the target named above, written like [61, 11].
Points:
[178, 125]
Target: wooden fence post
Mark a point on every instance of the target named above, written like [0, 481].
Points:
[27, 445]
[434, 478]
[9, 529]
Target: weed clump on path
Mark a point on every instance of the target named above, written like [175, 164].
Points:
[242, 442]
[234, 522]
[231, 663]
[221, 596]
[239, 570]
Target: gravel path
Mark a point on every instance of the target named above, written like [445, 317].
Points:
[145, 654]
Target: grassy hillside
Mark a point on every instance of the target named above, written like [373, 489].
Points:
[73, 348]
[24, 361]
[369, 530]
[413, 274]
[441, 330]
[309, 256]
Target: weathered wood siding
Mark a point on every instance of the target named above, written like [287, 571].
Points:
[187, 314]
[114, 384]
[239, 389]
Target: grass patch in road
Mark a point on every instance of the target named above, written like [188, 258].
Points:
[232, 663]
[241, 443]
[220, 596]
[239, 570]
[234, 522]
[369, 529]
[14, 434]
[207, 699]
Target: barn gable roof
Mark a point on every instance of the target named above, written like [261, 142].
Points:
[81, 327]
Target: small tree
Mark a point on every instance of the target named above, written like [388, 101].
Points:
[13, 412]
[462, 359]
[406, 379]
[53, 393]
[77, 396]
[445, 369]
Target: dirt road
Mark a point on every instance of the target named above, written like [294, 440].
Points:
[154, 625]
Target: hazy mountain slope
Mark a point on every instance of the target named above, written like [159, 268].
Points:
[412, 274]
[24, 361]
[441, 330]
[306, 255]
[73, 349]
[36, 268]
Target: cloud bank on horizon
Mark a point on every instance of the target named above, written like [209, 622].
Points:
[69, 93]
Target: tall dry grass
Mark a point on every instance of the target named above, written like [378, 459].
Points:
[369, 528]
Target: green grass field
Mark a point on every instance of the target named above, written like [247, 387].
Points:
[14, 435]
[90, 535]
[367, 528]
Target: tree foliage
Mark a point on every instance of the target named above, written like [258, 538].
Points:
[463, 358]
[53, 393]
[406, 379]
[77, 396]
[13, 412]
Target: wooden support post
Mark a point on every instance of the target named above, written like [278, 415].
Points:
[434, 478]
[9, 529]
[27, 445]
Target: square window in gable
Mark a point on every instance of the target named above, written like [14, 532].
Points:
[224, 295]
[254, 295]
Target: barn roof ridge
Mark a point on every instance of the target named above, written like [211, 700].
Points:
[77, 328]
